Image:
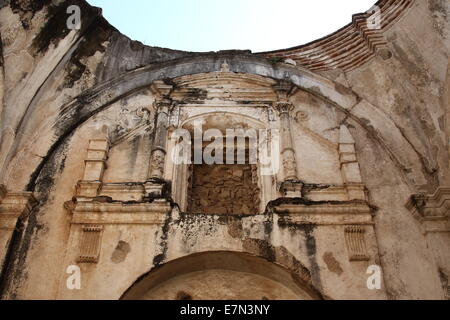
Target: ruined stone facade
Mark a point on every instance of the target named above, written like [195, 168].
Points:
[87, 176]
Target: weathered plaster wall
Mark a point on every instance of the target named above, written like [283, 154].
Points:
[409, 88]
[60, 88]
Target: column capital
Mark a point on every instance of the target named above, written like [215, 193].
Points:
[284, 107]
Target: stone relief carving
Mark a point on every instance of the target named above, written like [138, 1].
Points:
[224, 189]
[157, 164]
[284, 108]
[128, 123]
[301, 116]
[289, 165]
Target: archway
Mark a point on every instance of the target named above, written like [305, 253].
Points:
[221, 276]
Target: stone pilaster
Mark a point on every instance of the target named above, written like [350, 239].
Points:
[291, 187]
[95, 166]
[163, 107]
[433, 213]
[12, 207]
[350, 169]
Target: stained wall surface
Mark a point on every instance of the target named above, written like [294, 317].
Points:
[360, 175]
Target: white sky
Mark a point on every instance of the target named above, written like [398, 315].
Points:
[211, 25]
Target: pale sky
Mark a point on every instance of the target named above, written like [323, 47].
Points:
[212, 25]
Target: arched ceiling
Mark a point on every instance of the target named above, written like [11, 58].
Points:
[350, 47]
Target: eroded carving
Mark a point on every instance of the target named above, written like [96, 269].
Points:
[289, 165]
[157, 163]
[225, 189]
[129, 121]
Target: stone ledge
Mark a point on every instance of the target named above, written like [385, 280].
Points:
[326, 213]
[432, 211]
[431, 207]
[118, 212]
[13, 206]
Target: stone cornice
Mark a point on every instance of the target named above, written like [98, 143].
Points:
[433, 211]
[13, 206]
[326, 213]
[117, 212]
[349, 47]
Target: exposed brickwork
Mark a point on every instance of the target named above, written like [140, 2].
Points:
[349, 47]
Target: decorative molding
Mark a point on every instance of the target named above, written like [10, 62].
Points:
[87, 189]
[123, 192]
[356, 243]
[291, 188]
[161, 89]
[432, 211]
[117, 212]
[157, 163]
[327, 193]
[12, 207]
[326, 213]
[284, 108]
[90, 243]
[301, 116]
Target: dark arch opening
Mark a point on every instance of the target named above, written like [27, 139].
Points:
[187, 278]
